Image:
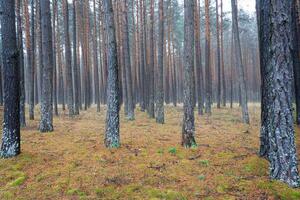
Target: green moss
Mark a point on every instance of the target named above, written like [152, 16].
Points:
[105, 192]
[201, 177]
[18, 181]
[280, 190]
[204, 163]
[76, 191]
[166, 195]
[172, 150]
[6, 195]
[256, 166]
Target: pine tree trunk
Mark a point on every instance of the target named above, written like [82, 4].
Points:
[68, 66]
[199, 73]
[21, 63]
[208, 85]
[240, 67]
[188, 128]
[126, 52]
[10, 146]
[160, 72]
[54, 8]
[112, 137]
[277, 128]
[46, 123]
[222, 59]
[151, 106]
[218, 56]
[75, 68]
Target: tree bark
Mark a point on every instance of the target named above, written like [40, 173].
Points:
[112, 137]
[46, 123]
[208, 85]
[277, 126]
[240, 67]
[160, 72]
[188, 128]
[10, 146]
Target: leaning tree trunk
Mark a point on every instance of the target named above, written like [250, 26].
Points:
[11, 125]
[160, 72]
[277, 126]
[188, 127]
[112, 137]
[21, 64]
[46, 123]
[68, 66]
[240, 67]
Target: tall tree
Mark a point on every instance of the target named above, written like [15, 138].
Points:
[54, 17]
[218, 56]
[277, 126]
[188, 127]
[46, 123]
[199, 70]
[75, 65]
[68, 66]
[222, 58]
[10, 146]
[151, 108]
[21, 63]
[30, 54]
[160, 118]
[127, 62]
[95, 59]
[208, 81]
[112, 136]
[240, 67]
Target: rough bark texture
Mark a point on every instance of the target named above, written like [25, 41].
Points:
[296, 57]
[46, 123]
[112, 137]
[208, 85]
[95, 60]
[240, 67]
[127, 63]
[21, 64]
[160, 118]
[68, 66]
[188, 127]
[11, 126]
[277, 128]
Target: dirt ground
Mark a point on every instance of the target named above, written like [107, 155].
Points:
[72, 163]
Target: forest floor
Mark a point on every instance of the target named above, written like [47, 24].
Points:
[72, 163]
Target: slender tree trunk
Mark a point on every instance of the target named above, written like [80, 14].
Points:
[188, 128]
[46, 123]
[75, 68]
[218, 57]
[151, 106]
[126, 52]
[160, 72]
[21, 63]
[240, 67]
[11, 145]
[198, 60]
[112, 137]
[54, 8]
[68, 66]
[95, 60]
[277, 128]
[222, 59]
[208, 85]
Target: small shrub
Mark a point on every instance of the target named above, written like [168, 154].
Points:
[173, 150]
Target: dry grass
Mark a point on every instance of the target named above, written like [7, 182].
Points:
[72, 163]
